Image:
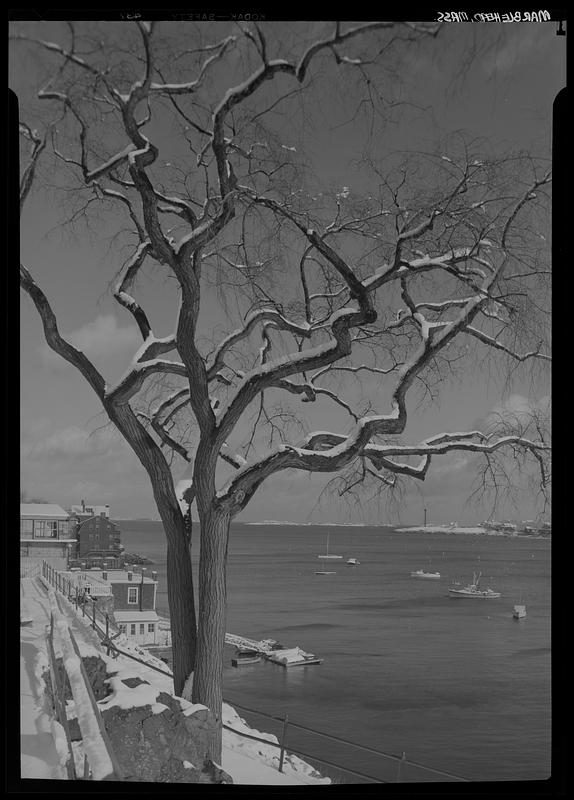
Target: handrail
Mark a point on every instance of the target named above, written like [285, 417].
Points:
[401, 760]
[58, 702]
[93, 737]
[366, 748]
[301, 753]
[97, 713]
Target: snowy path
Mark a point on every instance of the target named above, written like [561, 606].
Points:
[39, 758]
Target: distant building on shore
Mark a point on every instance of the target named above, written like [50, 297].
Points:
[83, 511]
[98, 538]
[46, 534]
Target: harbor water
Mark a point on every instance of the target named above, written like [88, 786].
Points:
[456, 684]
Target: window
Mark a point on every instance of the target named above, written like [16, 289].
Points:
[123, 628]
[132, 595]
[26, 528]
[151, 627]
[133, 629]
[142, 628]
[44, 529]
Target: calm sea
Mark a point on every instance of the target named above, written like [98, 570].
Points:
[457, 685]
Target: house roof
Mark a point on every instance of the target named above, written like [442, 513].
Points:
[136, 616]
[84, 518]
[43, 510]
[121, 576]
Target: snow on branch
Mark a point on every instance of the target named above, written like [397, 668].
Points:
[68, 56]
[165, 437]
[336, 451]
[493, 342]
[124, 284]
[192, 86]
[53, 337]
[269, 373]
[38, 144]
[279, 321]
[132, 382]
[127, 152]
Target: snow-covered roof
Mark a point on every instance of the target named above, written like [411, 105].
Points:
[121, 576]
[42, 510]
[136, 616]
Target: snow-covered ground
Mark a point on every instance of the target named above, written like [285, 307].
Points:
[39, 757]
[248, 762]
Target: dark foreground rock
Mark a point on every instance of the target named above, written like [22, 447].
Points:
[165, 747]
[152, 744]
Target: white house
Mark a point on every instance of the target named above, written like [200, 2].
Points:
[45, 535]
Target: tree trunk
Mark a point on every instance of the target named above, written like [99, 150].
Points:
[181, 609]
[208, 678]
[179, 573]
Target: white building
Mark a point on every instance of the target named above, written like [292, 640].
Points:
[45, 535]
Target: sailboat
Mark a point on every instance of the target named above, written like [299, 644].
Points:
[329, 555]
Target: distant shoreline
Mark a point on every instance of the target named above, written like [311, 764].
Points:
[469, 530]
[472, 530]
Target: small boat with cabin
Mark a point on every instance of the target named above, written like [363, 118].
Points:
[519, 612]
[474, 591]
[420, 573]
[293, 657]
[353, 562]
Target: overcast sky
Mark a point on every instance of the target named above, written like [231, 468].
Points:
[69, 454]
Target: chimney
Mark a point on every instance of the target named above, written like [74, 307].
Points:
[83, 507]
[154, 576]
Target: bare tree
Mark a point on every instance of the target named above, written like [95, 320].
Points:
[330, 287]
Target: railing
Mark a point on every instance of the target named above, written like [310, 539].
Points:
[401, 762]
[29, 570]
[100, 762]
[98, 620]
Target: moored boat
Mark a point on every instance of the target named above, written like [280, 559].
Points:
[244, 657]
[293, 657]
[473, 590]
[420, 573]
[353, 562]
[519, 611]
[328, 555]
